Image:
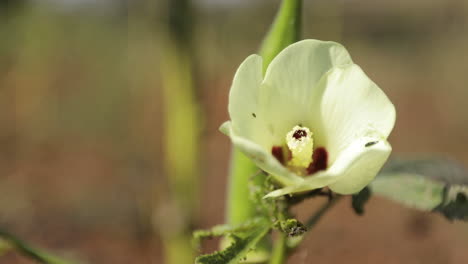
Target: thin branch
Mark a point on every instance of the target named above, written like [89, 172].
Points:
[319, 213]
[313, 220]
[30, 252]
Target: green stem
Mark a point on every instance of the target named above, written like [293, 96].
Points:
[240, 207]
[285, 30]
[279, 254]
[30, 252]
[313, 220]
[316, 217]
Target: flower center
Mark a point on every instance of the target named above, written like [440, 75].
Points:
[301, 144]
[298, 154]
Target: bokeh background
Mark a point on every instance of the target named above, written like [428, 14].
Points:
[94, 116]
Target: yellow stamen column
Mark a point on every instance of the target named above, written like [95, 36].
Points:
[301, 144]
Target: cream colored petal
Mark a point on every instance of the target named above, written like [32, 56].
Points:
[263, 159]
[364, 167]
[354, 168]
[289, 85]
[315, 84]
[351, 106]
[243, 96]
[300, 66]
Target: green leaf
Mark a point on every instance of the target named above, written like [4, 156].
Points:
[238, 249]
[360, 199]
[438, 185]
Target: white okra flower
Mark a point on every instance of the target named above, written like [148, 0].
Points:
[314, 120]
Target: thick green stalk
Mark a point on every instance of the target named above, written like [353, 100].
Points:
[284, 31]
[240, 207]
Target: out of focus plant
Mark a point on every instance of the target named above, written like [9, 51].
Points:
[181, 135]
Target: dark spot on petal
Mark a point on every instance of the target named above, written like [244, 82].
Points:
[368, 144]
[277, 152]
[299, 134]
[254, 115]
[319, 161]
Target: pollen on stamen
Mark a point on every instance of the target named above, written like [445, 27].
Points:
[301, 144]
[300, 133]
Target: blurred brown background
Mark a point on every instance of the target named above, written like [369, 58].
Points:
[82, 121]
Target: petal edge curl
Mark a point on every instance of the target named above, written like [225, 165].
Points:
[260, 157]
[356, 166]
